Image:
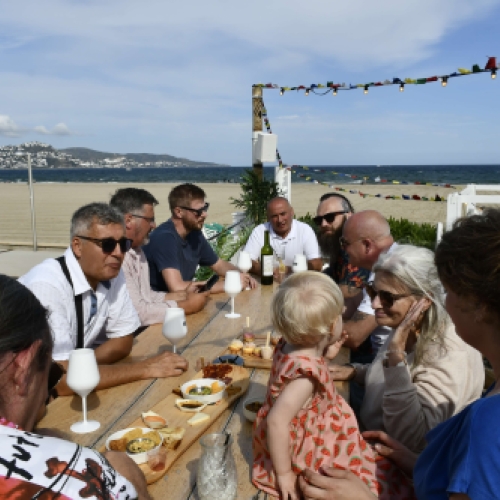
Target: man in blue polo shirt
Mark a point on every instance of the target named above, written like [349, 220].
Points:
[178, 246]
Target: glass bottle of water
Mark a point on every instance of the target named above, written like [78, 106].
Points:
[216, 479]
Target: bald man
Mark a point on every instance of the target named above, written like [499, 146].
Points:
[364, 237]
[287, 237]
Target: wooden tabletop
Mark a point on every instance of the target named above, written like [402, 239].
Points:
[209, 333]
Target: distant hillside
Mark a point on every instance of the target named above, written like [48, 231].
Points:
[88, 155]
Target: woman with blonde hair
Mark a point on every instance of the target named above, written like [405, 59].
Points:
[425, 373]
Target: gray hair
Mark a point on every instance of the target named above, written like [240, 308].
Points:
[132, 200]
[414, 267]
[94, 213]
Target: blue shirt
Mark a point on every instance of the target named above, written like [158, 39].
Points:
[167, 250]
[462, 455]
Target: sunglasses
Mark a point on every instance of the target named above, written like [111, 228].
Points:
[329, 217]
[149, 219]
[387, 299]
[198, 211]
[56, 372]
[108, 245]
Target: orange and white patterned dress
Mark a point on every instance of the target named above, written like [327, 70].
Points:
[324, 433]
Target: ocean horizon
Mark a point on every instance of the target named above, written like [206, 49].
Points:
[370, 174]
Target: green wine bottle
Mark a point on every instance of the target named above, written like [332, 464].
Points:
[266, 262]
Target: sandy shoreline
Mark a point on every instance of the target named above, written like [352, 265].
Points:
[55, 203]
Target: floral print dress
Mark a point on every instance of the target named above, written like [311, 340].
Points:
[324, 433]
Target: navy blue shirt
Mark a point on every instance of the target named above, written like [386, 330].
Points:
[462, 455]
[167, 250]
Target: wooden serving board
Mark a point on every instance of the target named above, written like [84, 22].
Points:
[177, 418]
[254, 361]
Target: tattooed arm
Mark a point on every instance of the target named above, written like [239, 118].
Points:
[359, 328]
[352, 298]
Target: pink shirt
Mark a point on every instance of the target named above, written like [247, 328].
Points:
[150, 305]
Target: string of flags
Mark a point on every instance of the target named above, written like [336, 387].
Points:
[352, 191]
[491, 67]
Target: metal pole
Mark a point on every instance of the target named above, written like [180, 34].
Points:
[257, 105]
[32, 203]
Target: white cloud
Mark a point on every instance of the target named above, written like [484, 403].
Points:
[42, 130]
[61, 129]
[8, 127]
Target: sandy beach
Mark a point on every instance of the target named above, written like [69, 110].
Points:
[55, 203]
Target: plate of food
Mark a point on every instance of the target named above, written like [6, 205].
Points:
[204, 390]
[135, 442]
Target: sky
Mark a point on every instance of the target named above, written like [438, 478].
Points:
[176, 78]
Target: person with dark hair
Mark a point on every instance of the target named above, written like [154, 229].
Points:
[177, 247]
[137, 206]
[461, 459]
[287, 237]
[33, 465]
[332, 213]
[89, 306]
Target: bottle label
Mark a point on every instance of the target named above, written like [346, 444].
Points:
[267, 265]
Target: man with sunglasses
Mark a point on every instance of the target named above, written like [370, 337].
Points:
[177, 247]
[88, 304]
[138, 209]
[332, 213]
[287, 236]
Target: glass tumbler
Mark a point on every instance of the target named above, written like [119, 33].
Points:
[216, 479]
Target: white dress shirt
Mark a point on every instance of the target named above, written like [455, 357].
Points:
[300, 239]
[150, 305]
[115, 316]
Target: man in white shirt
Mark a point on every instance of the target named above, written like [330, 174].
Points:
[287, 237]
[365, 236]
[137, 206]
[93, 261]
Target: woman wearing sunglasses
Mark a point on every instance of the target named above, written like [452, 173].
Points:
[425, 373]
[34, 465]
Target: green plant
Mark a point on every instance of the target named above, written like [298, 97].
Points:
[255, 195]
[413, 233]
[225, 246]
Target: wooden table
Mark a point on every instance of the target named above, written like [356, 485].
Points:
[209, 332]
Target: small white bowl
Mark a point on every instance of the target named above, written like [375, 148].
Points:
[250, 415]
[138, 458]
[203, 382]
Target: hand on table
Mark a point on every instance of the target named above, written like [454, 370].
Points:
[287, 484]
[194, 286]
[177, 296]
[194, 302]
[247, 281]
[166, 364]
[396, 452]
[333, 484]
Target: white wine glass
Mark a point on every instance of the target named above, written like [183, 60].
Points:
[83, 377]
[299, 263]
[174, 325]
[232, 286]
[244, 263]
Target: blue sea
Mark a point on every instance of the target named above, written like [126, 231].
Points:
[435, 174]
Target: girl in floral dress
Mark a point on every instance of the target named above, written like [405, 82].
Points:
[304, 423]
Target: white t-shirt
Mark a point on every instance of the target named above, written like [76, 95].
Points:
[32, 465]
[300, 239]
[115, 315]
[380, 334]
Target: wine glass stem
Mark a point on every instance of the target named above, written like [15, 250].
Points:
[232, 305]
[84, 407]
[175, 349]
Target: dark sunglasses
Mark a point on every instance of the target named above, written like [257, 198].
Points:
[198, 211]
[56, 372]
[149, 219]
[329, 217]
[387, 299]
[108, 245]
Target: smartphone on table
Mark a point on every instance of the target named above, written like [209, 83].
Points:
[210, 283]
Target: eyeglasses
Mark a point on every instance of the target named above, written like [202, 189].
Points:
[344, 243]
[198, 211]
[151, 220]
[329, 217]
[108, 245]
[387, 299]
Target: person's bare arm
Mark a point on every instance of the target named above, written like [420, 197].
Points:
[114, 350]
[175, 283]
[358, 328]
[288, 404]
[221, 267]
[352, 298]
[163, 365]
[315, 264]
[125, 466]
[194, 302]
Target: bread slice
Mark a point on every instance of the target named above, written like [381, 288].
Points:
[172, 436]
